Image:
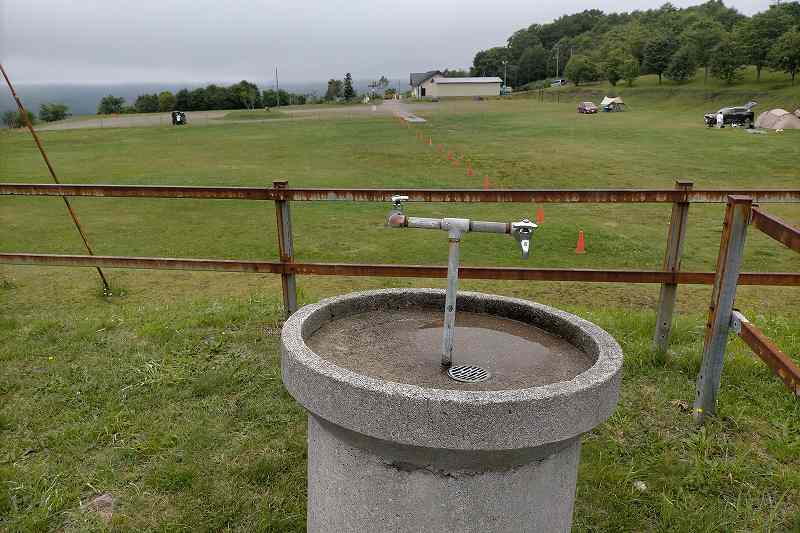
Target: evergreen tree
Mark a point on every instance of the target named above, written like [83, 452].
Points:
[348, 92]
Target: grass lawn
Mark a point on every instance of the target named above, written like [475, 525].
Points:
[168, 396]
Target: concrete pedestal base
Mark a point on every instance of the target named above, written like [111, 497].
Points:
[361, 484]
[390, 456]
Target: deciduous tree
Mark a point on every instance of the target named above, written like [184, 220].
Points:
[166, 101]
[630, 71]
[658, 52]
[53, 112]
[701, 37]
[580, 69]
[110, 104]
[785, 54]
[682, 66]
[758, 34]
[727, 60]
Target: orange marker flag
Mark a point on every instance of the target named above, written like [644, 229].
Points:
[469, 170]
[456, 162]
[581, 247]
[485, 183]
[539, 215]
[430, 141]
[449, 155]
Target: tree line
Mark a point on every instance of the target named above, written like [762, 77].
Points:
[668, 42]
[47, 113]
[242, 95]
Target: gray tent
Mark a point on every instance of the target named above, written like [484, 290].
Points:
[778, 119]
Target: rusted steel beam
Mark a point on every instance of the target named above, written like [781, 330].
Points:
[729, 260]
[780, 363]
[776, 228]
[399, 271]
[138, 191]
[415, 195]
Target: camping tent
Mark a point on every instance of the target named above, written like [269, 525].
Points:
[612, 104]
[778, 119]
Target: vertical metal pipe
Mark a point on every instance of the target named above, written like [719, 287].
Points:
[672, 262]
[286, 250]
[454, 239]
[737, 217]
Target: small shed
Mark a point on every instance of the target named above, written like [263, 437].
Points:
[433, 84]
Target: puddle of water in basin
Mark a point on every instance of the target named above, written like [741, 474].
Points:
[405, 346]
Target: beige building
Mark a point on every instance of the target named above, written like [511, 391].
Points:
[433, 84]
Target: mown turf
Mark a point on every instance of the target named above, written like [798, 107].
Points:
[168, 395]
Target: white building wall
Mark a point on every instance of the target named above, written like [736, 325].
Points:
[429, 86]
[443, 90]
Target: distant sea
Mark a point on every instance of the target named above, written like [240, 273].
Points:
[83, 99]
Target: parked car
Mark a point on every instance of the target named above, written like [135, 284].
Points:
[505, 90]
[587, 108]
[738, 116]
[558, 83]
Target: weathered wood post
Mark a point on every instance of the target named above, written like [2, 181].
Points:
[286, 250]
[672, 263]
[737, 217]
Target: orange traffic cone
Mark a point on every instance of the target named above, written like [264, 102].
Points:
[430, 141]
[449, 155]
[469, 170]
[539, 215]
[485, 182]
[581, 248]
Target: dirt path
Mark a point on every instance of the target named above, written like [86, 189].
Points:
[203, 118]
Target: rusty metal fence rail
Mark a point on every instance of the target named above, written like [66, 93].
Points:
[669, 277]
[722, 317]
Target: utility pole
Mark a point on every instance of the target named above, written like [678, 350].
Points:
[557, 76]
[277, 91]
[505, 73]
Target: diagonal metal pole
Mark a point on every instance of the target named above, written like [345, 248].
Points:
[729, 261]
[24, 114]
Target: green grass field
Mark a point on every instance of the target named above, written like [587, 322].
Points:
[168, 395]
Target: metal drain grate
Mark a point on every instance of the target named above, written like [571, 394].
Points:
[468, 374]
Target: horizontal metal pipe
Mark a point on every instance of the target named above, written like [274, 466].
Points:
[415, 195]
[778, 229]
[423, 223]
[410, 271]
[489, 227]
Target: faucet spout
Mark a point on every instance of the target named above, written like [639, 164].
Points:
[522, 232]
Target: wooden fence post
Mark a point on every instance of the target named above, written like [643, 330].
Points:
[286, 249]
[737, 217]
[672, 262]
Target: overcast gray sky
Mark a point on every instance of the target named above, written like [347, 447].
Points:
[216, 40]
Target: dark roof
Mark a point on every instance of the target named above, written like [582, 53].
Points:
[417, 78]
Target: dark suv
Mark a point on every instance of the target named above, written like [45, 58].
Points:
[740, 116]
